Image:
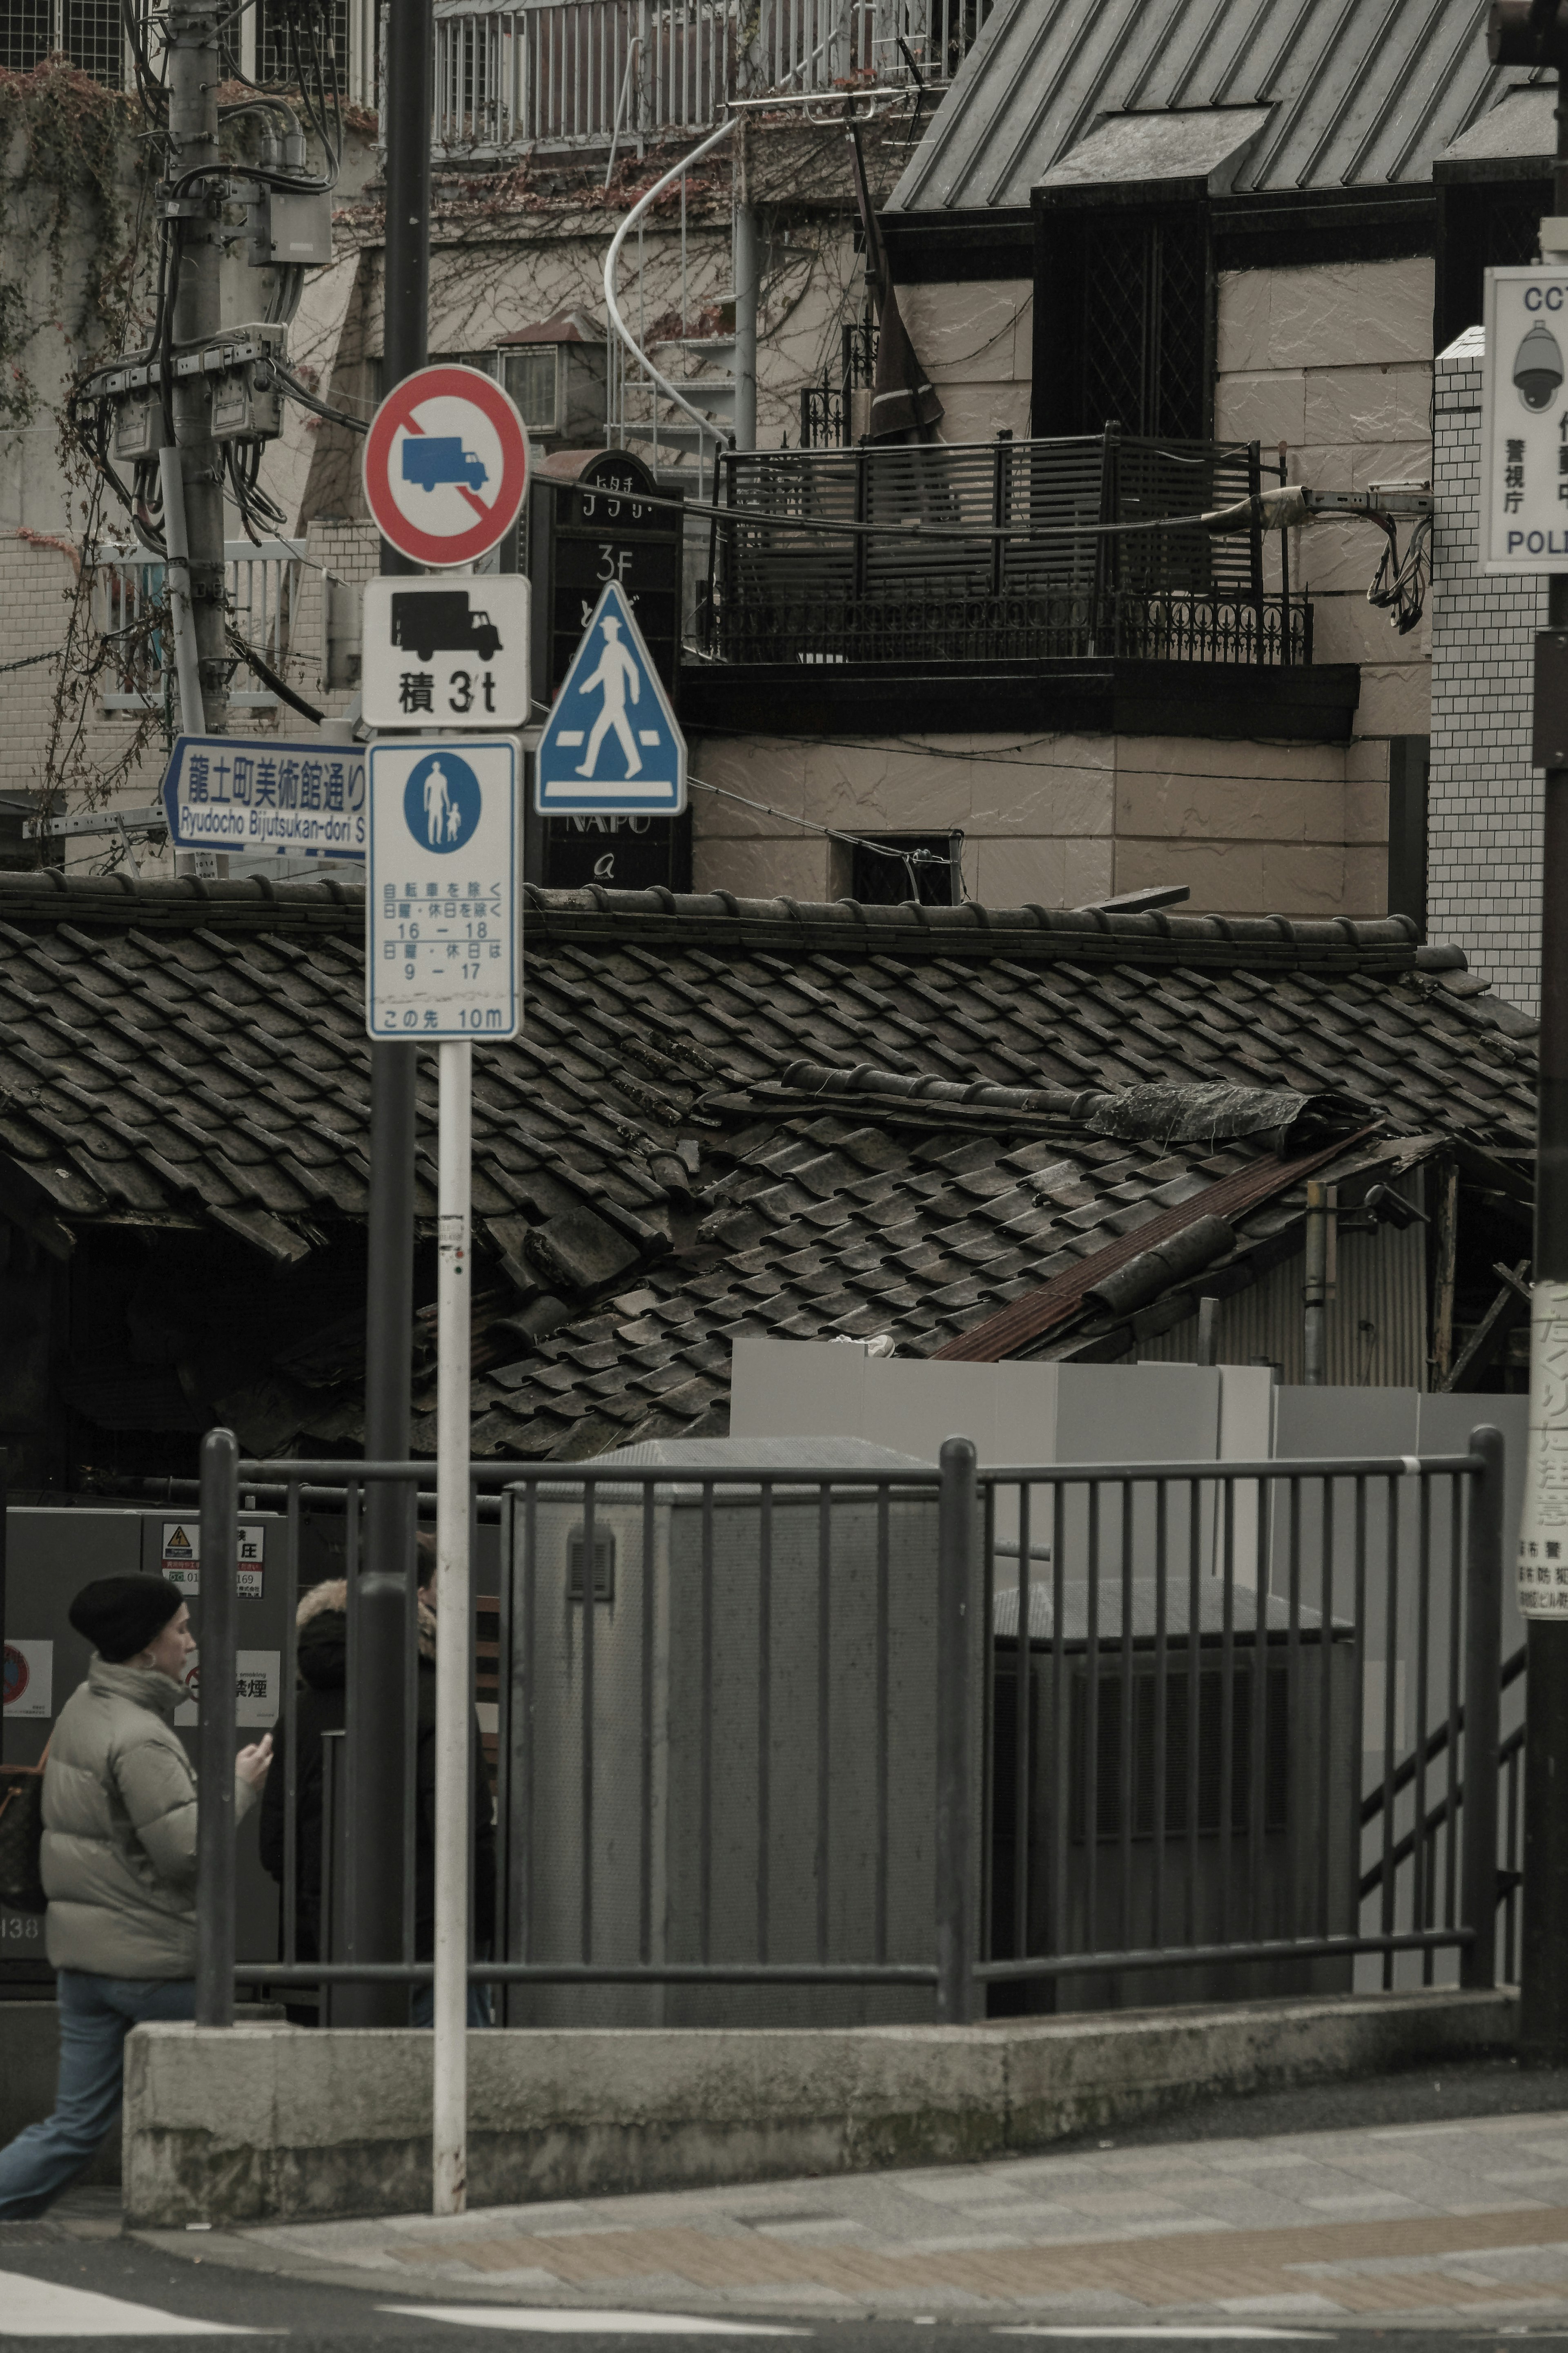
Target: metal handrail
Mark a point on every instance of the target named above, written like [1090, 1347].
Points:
[618, 326]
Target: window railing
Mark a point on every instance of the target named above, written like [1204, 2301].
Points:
[1002, 550]
[588, 73]
[262, 579]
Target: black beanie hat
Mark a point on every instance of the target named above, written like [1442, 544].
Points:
[121, 1615]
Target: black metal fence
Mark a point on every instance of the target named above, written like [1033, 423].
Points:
[991, 550]
[799, 1745]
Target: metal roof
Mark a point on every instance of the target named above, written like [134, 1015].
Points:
[1361, 92]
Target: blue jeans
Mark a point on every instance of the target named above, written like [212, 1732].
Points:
[96, 2015]
[424, 2010]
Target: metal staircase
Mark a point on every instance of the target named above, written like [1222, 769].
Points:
[674, 400]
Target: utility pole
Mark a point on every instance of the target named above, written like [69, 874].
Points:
[1535, 33]
[378, 1731]
[191, 483]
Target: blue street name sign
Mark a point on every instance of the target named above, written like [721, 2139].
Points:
[261, 794]
[611, 744]
[442, 888]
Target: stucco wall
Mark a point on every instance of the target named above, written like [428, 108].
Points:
[1251, 829]
[1336, 363]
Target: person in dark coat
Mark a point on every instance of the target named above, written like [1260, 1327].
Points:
[322, 1650]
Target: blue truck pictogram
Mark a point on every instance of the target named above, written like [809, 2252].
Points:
[432, 457]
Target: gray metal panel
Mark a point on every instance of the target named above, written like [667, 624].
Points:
[1361, 93]
[695, 1455]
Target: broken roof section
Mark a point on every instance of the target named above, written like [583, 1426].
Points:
[1356, 94]
[726, 1118]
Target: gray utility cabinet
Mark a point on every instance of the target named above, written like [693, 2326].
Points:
[1285, 1873]
[740, 1770]
[51, 1552]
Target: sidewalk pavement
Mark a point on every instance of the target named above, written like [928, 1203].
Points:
[1450, 2221]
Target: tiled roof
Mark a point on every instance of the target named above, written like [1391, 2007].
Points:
[710, 1127]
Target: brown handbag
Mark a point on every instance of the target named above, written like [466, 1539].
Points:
[22, 1836]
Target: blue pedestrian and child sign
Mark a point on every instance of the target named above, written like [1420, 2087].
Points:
[442, 889]
[611, 744]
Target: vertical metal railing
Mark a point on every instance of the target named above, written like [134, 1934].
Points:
[1258, 1676]
[892, 1736]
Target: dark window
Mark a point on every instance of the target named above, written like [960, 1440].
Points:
[1409, 765]
[919, 866]
[1481, 225]
[1124, 321]
[1108, 1797]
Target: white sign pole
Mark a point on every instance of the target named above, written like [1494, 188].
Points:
[453, 1678]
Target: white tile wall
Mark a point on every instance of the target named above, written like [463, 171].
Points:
[1483, 853]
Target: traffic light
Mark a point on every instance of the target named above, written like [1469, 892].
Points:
[1527, 32]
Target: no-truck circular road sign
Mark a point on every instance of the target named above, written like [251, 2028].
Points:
[446, 465]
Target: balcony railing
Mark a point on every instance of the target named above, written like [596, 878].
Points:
[593, 73]
[970, 553]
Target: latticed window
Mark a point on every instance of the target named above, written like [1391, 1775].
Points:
[87, 32]
[274, 61]
[1143, 324]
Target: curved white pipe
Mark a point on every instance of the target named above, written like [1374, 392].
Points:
[612, 258]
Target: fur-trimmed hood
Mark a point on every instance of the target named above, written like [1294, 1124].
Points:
[323, 1621]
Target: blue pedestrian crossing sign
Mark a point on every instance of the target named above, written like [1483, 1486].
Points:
[610, 744]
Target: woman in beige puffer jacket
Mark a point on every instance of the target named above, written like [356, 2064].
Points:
[119, 1869]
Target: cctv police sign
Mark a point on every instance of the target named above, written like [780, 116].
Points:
[1524, 422]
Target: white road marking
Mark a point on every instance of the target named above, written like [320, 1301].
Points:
[574, 2321]
[39, 2307]
[1208, 2335]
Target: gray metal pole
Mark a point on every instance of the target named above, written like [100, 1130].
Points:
[214, 1811]
[957, 1588]
[1314, 1287]
[377, 1731]
[1483, 1707]
[748, 292]
[197, 585]
[1543, 1922]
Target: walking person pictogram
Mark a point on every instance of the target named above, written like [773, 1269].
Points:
[617, 671]
[440, 818]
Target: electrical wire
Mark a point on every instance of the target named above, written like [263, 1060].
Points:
[1402, 582]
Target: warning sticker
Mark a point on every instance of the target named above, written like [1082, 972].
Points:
[182, 1557]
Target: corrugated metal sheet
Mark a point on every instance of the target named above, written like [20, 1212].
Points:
[1375, 1327]
[1361, 92]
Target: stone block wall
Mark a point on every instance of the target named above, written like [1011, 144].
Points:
[1336, 363]
[1483, 837]
[1063, 820]
[975, 342]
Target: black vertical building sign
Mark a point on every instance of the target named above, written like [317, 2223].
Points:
[586, 527]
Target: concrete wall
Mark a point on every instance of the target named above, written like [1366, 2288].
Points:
[248, 2123]
[1484, 806]
[1251, 829]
